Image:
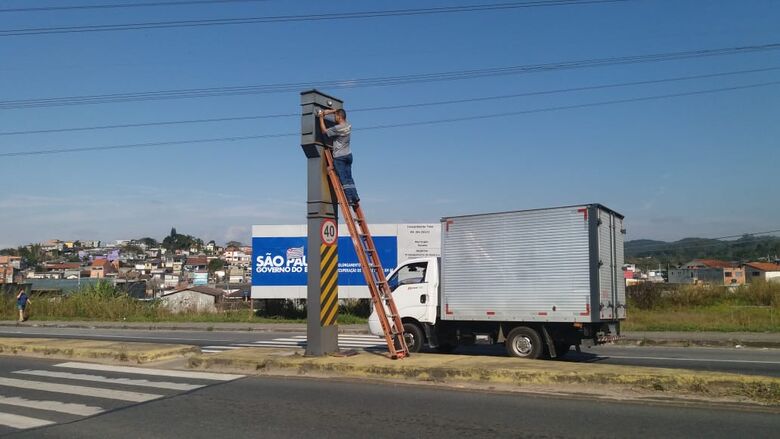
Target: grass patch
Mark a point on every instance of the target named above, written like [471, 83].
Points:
[663, 307]
[103, 302]
[715, 318]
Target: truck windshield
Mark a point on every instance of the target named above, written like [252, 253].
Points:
[413, 273]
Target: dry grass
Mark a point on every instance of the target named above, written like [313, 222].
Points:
[662, 307]
[102, 302]
[716, 318]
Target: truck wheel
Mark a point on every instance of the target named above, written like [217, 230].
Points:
[414, 337]
[524, 342]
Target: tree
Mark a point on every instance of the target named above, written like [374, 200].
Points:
[132, 249]
[178, 242]
[149, 242]
[216, 265]
[233, 244]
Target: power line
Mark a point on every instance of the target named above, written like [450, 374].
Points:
[379, 127]
[144, 145]
[150, 124]
[378, 81]
[300, 18]
[571, 107]
[126, 5]
[396, 107]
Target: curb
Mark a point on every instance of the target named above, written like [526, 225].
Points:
[167, 327]
[516, 374]
[726, 343]
[87, 349]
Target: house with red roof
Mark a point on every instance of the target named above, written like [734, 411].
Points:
[766, 271]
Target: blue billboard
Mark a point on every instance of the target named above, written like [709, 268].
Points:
[282, 261]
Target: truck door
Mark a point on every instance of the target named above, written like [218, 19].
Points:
[410, 287]
[611, 283]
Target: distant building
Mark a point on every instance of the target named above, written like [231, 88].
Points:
[199, 277]
[707, 271]
[9, 268]
[236, 275]
[196, 263]
[766, 271]
[193, 299]
[237, 257]
[102, 268]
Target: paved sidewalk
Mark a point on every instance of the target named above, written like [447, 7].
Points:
[672, 338]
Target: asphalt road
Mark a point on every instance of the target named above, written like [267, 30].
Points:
[291, 407]
[744, 360]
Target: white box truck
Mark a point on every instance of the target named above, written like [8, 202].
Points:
[539, 281]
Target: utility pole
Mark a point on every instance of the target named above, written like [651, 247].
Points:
[322, 222]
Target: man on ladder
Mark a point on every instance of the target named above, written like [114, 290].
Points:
[342, 154]
[339, 164]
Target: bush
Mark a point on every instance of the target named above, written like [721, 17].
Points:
[689, 296]
[355, 307]
[664, 296]
[759, 293]
[283, 309]
[646, 295]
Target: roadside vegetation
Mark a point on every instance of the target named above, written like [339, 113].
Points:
[662, 307]
[651, 307]
[104, 302]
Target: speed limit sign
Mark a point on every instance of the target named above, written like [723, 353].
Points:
[329, 232]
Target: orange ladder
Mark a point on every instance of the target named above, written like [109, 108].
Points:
[381, 296]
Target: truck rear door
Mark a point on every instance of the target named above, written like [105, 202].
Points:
[612, 289]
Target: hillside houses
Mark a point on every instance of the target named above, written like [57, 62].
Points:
[67, 264]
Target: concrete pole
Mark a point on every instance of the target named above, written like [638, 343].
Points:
[322, 221]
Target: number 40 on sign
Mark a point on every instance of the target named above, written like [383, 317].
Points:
[329, 232]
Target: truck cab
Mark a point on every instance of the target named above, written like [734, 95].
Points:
[415, 287]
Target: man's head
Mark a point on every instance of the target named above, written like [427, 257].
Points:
[341, 116]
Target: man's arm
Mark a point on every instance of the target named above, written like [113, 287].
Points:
[324, 113]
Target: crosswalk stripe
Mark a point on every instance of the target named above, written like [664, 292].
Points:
[149, 371]
[361, 339]
[79, 390]
[52, 406]
[102, 379]
[19, 421]
[233, 346]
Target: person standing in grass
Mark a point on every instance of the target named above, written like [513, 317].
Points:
[22, 300]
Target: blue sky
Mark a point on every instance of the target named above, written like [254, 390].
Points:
[703, 165]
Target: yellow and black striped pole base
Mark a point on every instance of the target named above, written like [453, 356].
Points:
[329, 281]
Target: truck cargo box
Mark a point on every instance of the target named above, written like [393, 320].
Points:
[561, 264]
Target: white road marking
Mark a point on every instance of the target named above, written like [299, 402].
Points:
[102, 379]
[233, 346]
[79, 390]
[714, 360]
[52, 406]
[301, 343]
[118, 337]
[21, 422]
[149, 371]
